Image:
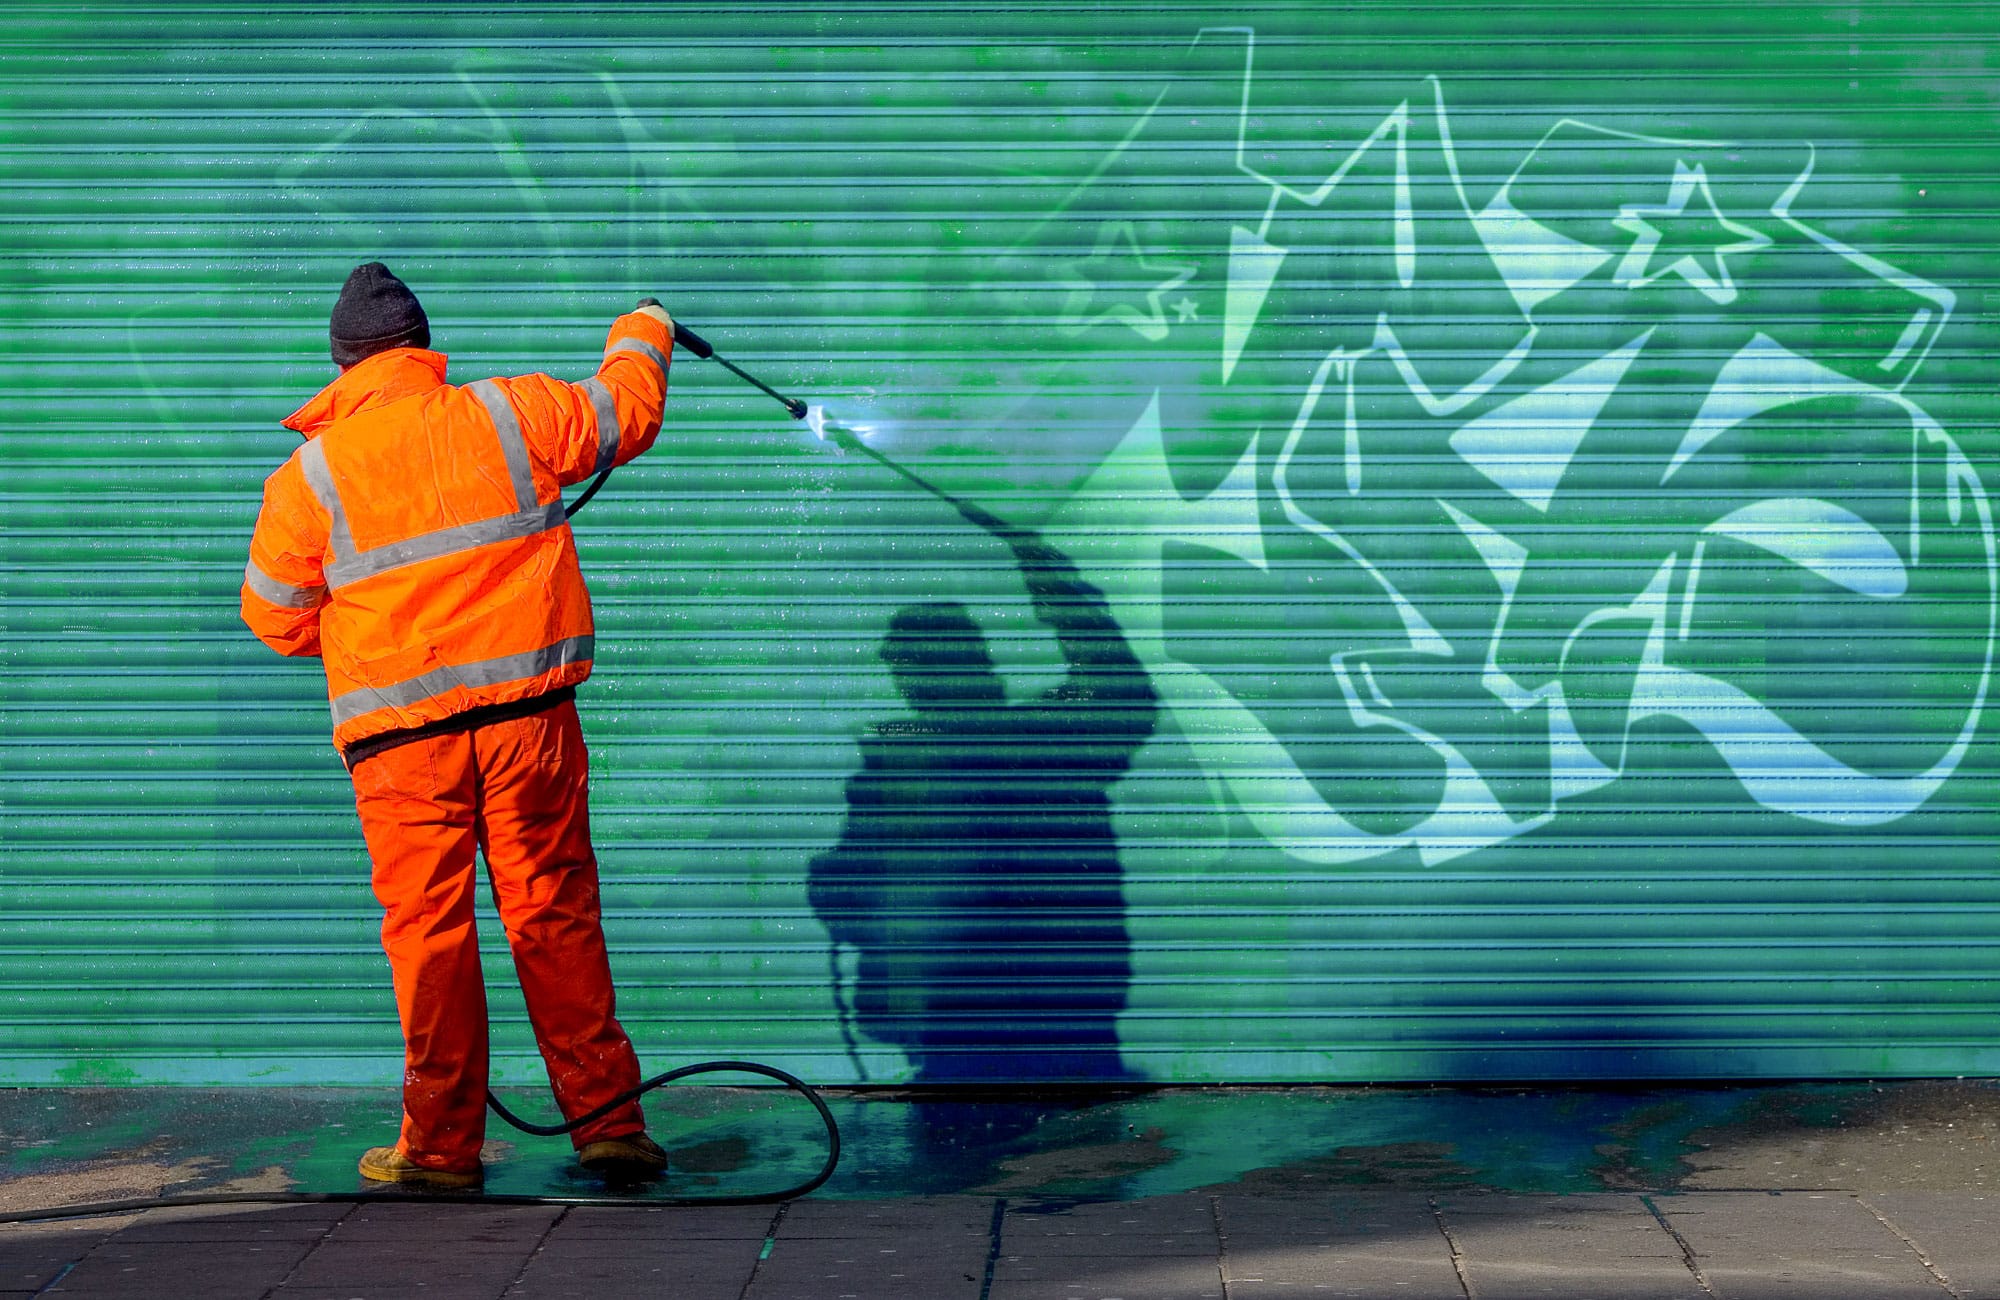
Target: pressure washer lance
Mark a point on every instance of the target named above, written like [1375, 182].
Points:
[695, 343]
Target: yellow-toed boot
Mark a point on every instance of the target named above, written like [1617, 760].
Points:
[388, 1165]
[624, 1159]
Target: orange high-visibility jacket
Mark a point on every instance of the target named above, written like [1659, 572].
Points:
[417, 543]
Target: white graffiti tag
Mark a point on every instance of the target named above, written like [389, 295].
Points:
[1560, 472]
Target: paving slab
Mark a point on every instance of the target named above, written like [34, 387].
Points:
[1956, 1233]
[1412, 1268]
[590, 1268]
[31, 1264]
[32, 1255]
[1088, 1244]
[1559, 1280]
[149, 1271]
[430, 1258]
[1083, 1277]
[1564, 1248]
[1335, 1243]
[821, 1269]
[1809, 1245]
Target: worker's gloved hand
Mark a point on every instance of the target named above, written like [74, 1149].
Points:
[651, 307]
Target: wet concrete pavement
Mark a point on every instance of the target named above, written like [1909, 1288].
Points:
[1827, 1192]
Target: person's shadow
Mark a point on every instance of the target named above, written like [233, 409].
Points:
[977, 877]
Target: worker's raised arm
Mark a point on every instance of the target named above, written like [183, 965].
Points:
[1103, 670]
[284, 585]
[580, 429]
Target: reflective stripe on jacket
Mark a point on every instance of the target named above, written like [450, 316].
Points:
[417, 543]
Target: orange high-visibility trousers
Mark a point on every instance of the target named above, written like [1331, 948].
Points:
[517, 791]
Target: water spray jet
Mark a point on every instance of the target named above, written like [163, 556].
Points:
[848, 440]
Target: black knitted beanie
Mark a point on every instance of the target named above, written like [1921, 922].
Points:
[376, 312]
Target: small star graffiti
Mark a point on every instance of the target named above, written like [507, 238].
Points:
[1649, 225]
[1117, 283]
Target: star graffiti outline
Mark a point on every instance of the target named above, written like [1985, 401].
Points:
[1635, 269]
[1150, 324]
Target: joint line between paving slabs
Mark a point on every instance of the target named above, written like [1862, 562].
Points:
[61, 1273]
[1221, 1244]
[1915, 1249]
[300, 1262]
[540, 1242]
[764, 1252]
[994, 1228]
[1687, 1250]
[1451, 1244]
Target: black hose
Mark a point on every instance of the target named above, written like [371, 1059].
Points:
[569, 511]
[398, 1193]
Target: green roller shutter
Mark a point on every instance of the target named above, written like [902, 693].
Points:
[1513, 585]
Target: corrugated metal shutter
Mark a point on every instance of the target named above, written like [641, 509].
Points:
[1537, 454]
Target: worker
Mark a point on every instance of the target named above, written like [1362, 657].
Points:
[417, 545]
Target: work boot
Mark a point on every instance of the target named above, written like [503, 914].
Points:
[627, 1159]
[388, 1165]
